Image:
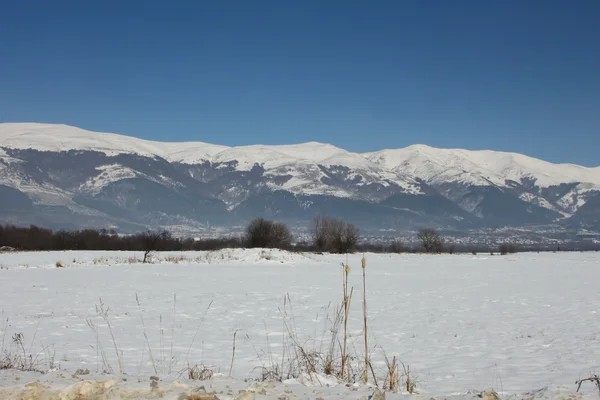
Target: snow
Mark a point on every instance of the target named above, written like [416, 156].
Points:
[463, 323]
[109, 173]
[304, 162]
[44, 194]
[191, 152]
[540, 201]
[426, 162]
[576, 197]
[55, 137]
[480, 166]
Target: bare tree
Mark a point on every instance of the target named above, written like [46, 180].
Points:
[319, 237]
[334, 235]
[396, 247]
[506, 248]
[268, 234]
[153, 241]
[431, 242]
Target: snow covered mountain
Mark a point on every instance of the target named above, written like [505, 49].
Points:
[560, 187]
[63, 176]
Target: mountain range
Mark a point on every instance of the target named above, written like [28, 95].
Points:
[64, 177]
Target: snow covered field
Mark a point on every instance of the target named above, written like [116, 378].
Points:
[463, 323]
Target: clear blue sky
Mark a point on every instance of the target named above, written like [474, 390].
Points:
[363, 75]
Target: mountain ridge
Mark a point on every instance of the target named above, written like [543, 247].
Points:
[91, 173]
[10, 130]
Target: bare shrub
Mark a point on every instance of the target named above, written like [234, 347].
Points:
[334, 235]
[430, 240]
[59, 264]
[507, 248]
[396, 247]
[267, 234]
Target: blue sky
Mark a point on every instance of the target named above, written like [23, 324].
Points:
[364, 75]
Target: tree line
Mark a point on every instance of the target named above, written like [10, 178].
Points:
[327, 234]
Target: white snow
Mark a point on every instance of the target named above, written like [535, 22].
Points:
[576, 197]
[303, 162]
[514, 323]
[480, 166]
[55, 137]
[109, 173]
[424, 161]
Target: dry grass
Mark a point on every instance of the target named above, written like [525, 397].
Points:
[146, 334]
[196, 373]
[410, 385]
[59, 264]
[392, 378]
[18, 357]
[346, 304]
[336, 356]
[174, 259]
[333, 354]
[365, 325]
[102, 312]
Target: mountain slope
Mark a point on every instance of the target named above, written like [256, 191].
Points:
[454, 171]
[478, 166]
[79, 177]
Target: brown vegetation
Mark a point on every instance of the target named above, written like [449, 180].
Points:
[430, 240]
[267, 234]
[334, 235]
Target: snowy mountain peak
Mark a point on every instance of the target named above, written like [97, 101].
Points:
[58, 137]
[193, 183]
[476, 166]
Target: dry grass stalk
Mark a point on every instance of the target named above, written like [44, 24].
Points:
[100, 353]
[373, 372]
[392, 379]
[187, 357]
[162, 349]
[410, 384]
[232, 353]
[346, 304]
[103, 312]
[173, 330]
[146, 334]
[329, 367]
[364, 268]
